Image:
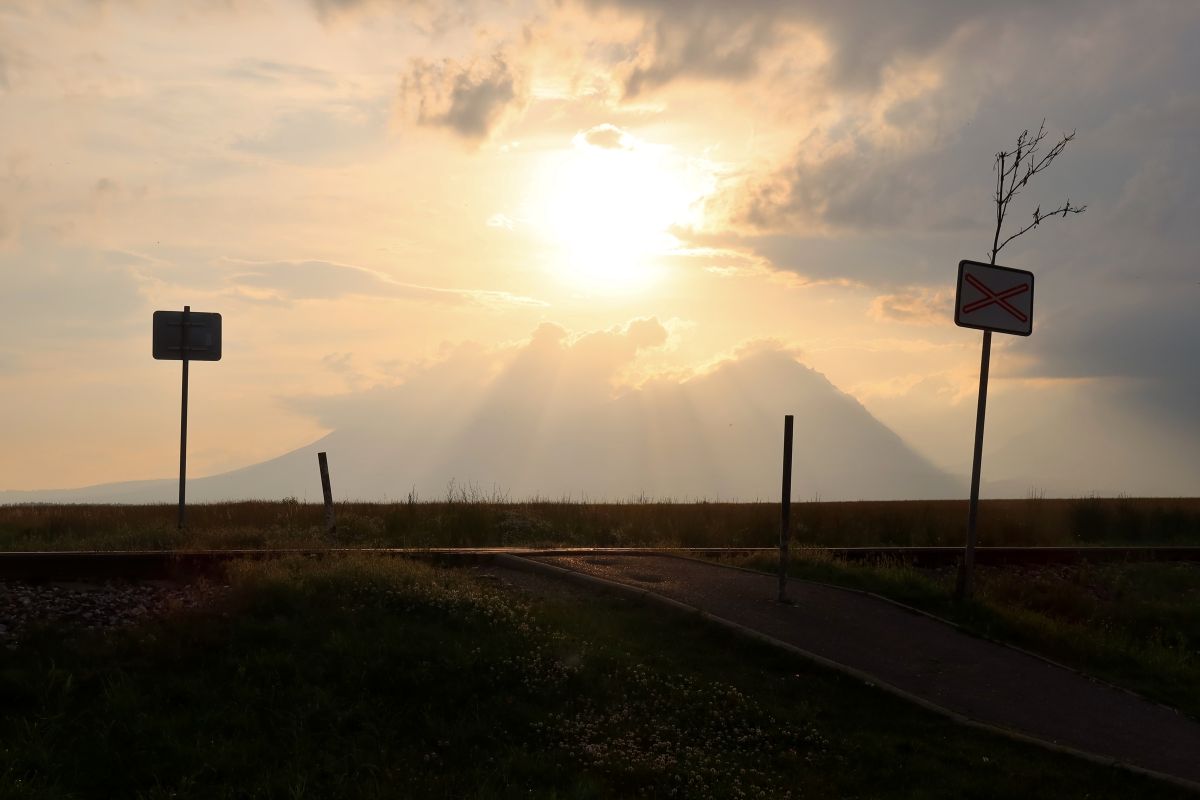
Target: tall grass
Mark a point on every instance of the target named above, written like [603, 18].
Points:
[467, 518]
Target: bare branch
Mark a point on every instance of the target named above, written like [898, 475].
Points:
[1039, 217]
[1014, 169]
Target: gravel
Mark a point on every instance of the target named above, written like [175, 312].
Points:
[76, 606]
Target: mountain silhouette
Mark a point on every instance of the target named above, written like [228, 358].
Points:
[548, 425]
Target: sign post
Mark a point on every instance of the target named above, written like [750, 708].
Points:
[185, 336]
[989, 298]
[183, 350]
[785, 510]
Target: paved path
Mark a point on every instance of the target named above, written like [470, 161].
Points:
[934, 661]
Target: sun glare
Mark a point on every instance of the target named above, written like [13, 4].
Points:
[608, 210]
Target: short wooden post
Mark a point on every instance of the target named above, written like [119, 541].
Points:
[330, 524]
[785, 511]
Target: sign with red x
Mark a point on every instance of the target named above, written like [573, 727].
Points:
[993, 298]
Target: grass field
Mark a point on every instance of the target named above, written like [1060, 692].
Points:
[467, 519]
[368, 678]
[1136, 624]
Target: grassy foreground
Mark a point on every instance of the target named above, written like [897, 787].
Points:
[1135, 624]
[357, 678]
[467, 519]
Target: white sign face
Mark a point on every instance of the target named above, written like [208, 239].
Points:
[993, 298]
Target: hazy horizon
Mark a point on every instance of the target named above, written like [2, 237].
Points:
[596, 245]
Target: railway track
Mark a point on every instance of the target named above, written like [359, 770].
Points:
[150, 564]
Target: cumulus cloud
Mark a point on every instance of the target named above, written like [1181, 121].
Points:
[472, 98]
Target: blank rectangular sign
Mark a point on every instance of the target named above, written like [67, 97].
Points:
[203, 336]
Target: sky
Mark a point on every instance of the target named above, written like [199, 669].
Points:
[662, 200]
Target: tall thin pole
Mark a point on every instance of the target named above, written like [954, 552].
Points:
[968, 566]
[327, 492]
[785, 510]
[183, 415]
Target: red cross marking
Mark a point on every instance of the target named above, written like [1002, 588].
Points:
[997, 298]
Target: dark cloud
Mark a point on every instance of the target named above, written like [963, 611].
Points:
[1142, 338]
[1161, 194]
[717, 39]
[857, 186]
[471, 99]
[699, 44]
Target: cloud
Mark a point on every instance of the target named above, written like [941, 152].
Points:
[278, 73]
[858, 42]
[920, 306]
[606, 137]
[857, 187]
[1140, 338]
[427, 16]
[8, 226]
[700, 44]
[331, 133]
[11, 363]
[472, 99]
[55, 293]
[325, 280]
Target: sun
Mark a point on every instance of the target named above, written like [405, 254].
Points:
[607, 206]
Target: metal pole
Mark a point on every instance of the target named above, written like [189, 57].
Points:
[183, 415]
[968, 566]
[323, 463]
[785, 511]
